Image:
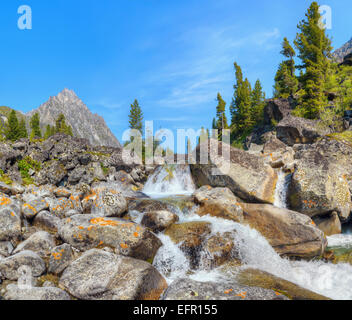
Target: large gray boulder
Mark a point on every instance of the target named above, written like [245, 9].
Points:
[10, 219]
[14, 292]
[100, 275]
[90, 231]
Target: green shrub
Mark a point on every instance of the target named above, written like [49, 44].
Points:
[24, 166]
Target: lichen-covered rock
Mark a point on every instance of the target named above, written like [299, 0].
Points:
[9, 266]
[62, 192]
[247, 175]
[31, 209]
[46, 221]
[53, 173]
[158, 221]
[40, 242]
[90, 231]
[60, 258]
[320, 183]
[14, 292]
[218, 202]
[59, 207]
[187, 289]
[290, 233]
[100, 275]
[10, 219]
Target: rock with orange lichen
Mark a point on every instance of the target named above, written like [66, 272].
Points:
[46, 221]
[158, 221]
[101, 275]
[218, 202]
[32, 208]
[9, 266]
[14, 292]
[10, 219]
[60, 258]
[90, 231]
[187, 289]
[62, 192]
[40, 242]
[59, 207]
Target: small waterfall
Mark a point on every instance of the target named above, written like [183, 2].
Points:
[281, 190]
[170, 180]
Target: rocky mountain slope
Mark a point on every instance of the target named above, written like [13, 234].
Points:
[340, 53]
[84, 123]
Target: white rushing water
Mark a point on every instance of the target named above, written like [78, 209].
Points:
[340, 240]
[170, 180]
[330, 280]
[281, 190]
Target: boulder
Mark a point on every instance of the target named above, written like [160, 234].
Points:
[14, 292]
[9, 266]
[100, 275]
[53, 172]
[276, 109]
[6, 248]
[60, 258]
[290, 233]
[329, 224]
[320, 183]
[31, 209]
[90, 231]
[294, 130]
[258, 278]
[40, 242]
[218, 202]
[10, 219]
[62, 192]
[158, 221]
[247, 175]
[187, 289]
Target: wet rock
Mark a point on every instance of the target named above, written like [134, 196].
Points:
[41, 243]
[9, 266]
[218, 202]
[329, 224]
[187, 289]
[90, 231]
[258, 278]
[290, 233]
[247, 175]
[99, 275]
[158, 221]
[60, 258]
[31, 209]
[14, 292]
[46, 221]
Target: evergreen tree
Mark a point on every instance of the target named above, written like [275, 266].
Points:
[61, 126]
[22, 130]
[286, 83]
[35, 126]
[221, 122]
[12, 131]
[48, 132]
[314, 48]
[258, 103]
[136, 116]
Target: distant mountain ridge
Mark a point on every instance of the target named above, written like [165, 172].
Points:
[342, 52]
[84, 123]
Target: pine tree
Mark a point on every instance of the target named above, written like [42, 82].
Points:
[221, 122]
[12, 131]
[35, 126]
[48, 132]
[136, 116]
[314, 48]
[22, 130]
[258, 103]
[286, 83]
[61, 126]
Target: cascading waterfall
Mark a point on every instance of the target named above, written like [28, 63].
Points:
[330, 280]
[281, 190]
[170, 180]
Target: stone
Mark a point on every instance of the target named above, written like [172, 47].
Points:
[9, 266]
[10, 219]
[100, 275]
[14, 292]
[290, 233]
[31, 209]
[187, 289]
[276, 109]
[329, 224]
[60, 258]
[158, 221]
[62, 192]
[90, 231]
[46, 221]
[218, 202]
[6, 248]
[40, 242]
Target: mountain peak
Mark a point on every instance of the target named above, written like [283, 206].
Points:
[342, 52]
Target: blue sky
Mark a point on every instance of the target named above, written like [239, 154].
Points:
[173, 56]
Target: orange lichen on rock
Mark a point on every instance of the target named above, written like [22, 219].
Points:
[4, 201]
[123, 245]
[228, 291]
[26, 205]
[103, 222]
[57, 255]
[243, 295]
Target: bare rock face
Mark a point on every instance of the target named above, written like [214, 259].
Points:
[100, 275]
[290, 233]
[342, 52]
[247, 175]
[276, 109]
[84, 123]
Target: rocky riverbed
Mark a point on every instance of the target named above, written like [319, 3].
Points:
[76, 222]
